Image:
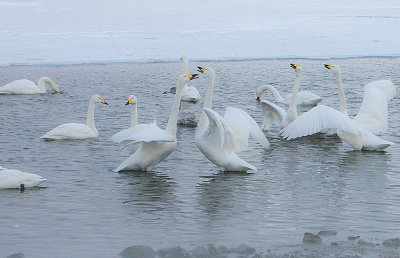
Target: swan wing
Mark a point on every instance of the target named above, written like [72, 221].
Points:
[151, 133]
[70, 131]
[242, 126]
[317, 119]
[219, 130]
[272, 114]
[121, 137]
[373, 113]
[190, 93]
[305, 98]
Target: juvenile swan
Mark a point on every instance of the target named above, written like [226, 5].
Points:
[74, 131]
[25, 86]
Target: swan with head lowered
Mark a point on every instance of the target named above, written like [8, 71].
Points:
[359, 131]
[121, 137]
[273, 114]
[25, 86]
[219, 138]
[75, 131]
[156, 144]
[304, 98]
[12, 178]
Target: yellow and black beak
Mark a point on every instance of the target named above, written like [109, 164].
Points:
[328, 66]
[201, 69]
[192, 76]
[103, 101]
[294, 66]
[58, 91]
[258, 98]
[129, 102]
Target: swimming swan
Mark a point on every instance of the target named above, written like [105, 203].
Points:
[12, 178]
[73, 131]
[156, 144]
[304, 98]
[190, 93]
[273, 114]
[25, 86]
[218, 138]
[358, 131]
[121, 137]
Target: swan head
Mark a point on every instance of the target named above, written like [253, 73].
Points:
[171, 90]
[207, 71]
[185, 78]
[131, 100]
[97, 99]
[259, 92]
[334, 68]
[296, 68]
[184, 58]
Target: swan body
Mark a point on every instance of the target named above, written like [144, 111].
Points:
[12, 178]
[273, 114]
[358, 132]
[25, 86]
[75, 131]
[218, 138]
[305, 98]
[156, 144]
[122, 136]
[190, 93]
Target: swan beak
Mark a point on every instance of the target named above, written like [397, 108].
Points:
[201, 69]
[294, 66]
[58, 91]
[258, 98]
[328, 66]
[103, 101]
[129, 102]
[192, 76]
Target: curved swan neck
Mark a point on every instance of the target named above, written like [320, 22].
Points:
[342, 96]
[173, 117]
[90, 116]
[292, 110]
[208, 98]
[134, 115]
[42, 84]
[274, 91]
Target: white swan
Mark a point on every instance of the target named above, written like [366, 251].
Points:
[219, 138]
[121, 137]
[25, 86]
[273, 114]
[71, 131]
[359, 131]
[190, 93]
[12, 178]
[304, 98]
[156, 144]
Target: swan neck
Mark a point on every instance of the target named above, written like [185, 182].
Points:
[185, 65]
[342, 96]
[274, 91]
[208, 98]
[134, 115]
[292, 110]
[42, 84]
[173, 117]
[90, 116]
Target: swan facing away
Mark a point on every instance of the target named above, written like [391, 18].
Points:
[156, 144]
[359, 131]
[12, 178]
[75, 131]
[122, 136]
[25, 86]
[305, 98]
[273, 114]
[219, 138]
[190, 93]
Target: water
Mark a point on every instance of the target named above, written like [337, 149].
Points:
[86, 210]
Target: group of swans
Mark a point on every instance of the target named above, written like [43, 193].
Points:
[359, 131]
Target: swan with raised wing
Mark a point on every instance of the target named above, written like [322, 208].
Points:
[75, 131]
[219, 138]
[156, 144]
[359, 131]
[25, 86]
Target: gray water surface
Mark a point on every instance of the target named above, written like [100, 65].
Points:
[87, 210]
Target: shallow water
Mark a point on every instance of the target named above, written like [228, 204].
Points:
[87, 210]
